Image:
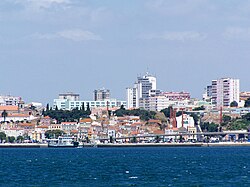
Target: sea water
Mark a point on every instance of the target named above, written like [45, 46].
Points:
[164, 166]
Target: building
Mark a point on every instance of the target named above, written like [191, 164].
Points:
[132, 97]
[137, 97]
[10, 100]
[177, 96]
[158, 103]
[65, 104]
[225, 91]
[101, 94]
[69, 96]
[244, 95]
[185, 121]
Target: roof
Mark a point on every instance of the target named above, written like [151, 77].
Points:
[67, 123]
[18, 115]
[43, 126]
[86, 120]
[26, 124]
[9, 108]
[154, 121]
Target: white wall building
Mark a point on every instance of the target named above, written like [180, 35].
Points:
[65, 104]
[188, 121]
[225, 91]
[139, 94]
[157, 103]
[9, 100]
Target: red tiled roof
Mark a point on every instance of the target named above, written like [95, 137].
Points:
[9, 108]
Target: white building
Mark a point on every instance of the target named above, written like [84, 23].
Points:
[132, 97]
[139, 94]
[225, 91]
[101, 94]
[66, 104]
[10, 100]
[188, 121]
[69, 96]
[157, 103]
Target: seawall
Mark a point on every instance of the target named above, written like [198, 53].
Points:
[23, 145]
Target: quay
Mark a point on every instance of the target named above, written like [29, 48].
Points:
[117, 145]
[219, 144]
[23, 145]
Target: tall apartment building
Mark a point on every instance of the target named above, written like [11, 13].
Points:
[101, 94]
[225, 91]
[137, 97]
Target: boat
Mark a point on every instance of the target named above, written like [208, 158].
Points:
[63, 142]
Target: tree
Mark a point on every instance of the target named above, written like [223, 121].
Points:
[11, 139]
[209, 127]
[166, 111]
[226, 119]
[47, 107]
[88, 109]
[161, 116]
[122, 107]
[83, 107]
[2, 136]
[54, 133]
[4, 115]
[20, 139]
[199, 108]
[246, 117]
[195, 117]
[234, 104]
[247, 102]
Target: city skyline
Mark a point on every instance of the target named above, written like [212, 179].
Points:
[49, 47]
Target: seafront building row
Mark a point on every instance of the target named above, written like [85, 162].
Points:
[28, 120]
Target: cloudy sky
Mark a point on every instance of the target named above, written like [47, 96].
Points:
[53, 46]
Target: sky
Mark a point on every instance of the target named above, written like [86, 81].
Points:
[49, 47]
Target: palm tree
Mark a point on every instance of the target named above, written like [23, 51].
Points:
[4, 115]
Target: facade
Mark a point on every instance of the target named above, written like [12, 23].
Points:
[69, 96]
[244, 95]
[101, 94]
[137, 97]
[158, 103]
[10, 100]
[225, 91]
[65, 104]
[188, 121]
[132, 97]
[177, 96]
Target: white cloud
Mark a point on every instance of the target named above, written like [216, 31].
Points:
[176, 36]
[237, 33]
[179, 7]
[76, 35]
[43, 4]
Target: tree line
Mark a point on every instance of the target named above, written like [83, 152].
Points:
[67, 115]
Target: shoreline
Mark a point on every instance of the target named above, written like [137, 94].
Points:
[220, 144]
[44, 145]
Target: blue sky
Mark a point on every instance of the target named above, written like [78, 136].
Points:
[53, 46]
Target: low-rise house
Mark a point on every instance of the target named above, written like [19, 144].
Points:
[67, 127]
[55, 127]
[14, 132]
[15, 117]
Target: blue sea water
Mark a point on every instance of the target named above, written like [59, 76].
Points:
[187, 166]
